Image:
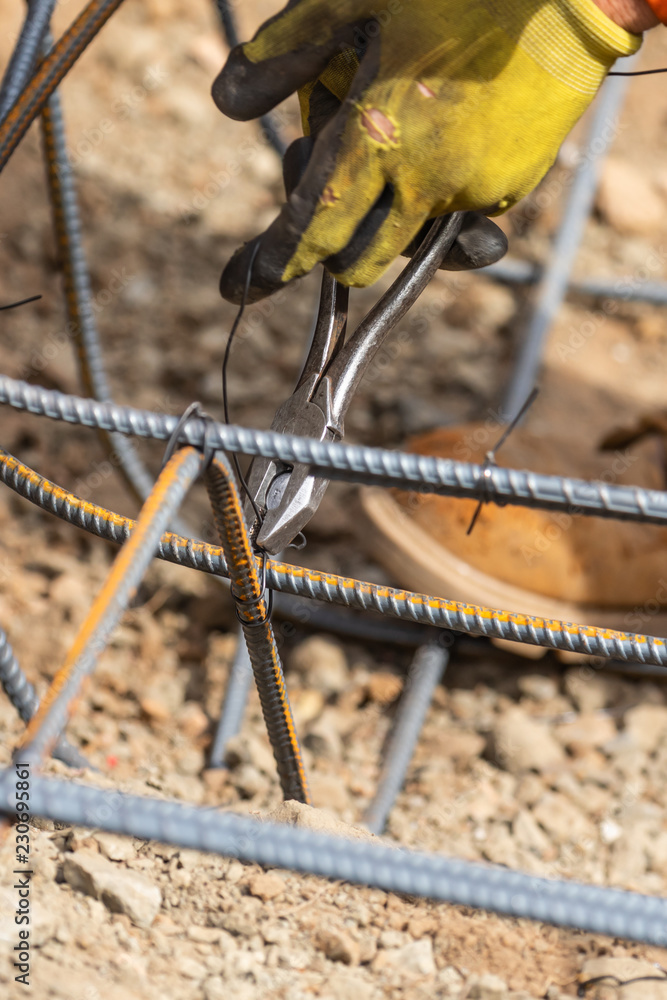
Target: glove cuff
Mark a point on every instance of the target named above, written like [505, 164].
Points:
[573, 40]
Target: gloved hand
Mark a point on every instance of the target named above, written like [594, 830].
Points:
[456, 104]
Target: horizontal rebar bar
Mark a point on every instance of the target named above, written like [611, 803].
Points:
[301, 581]
[499, 890]
[626, 288]
[354, 463]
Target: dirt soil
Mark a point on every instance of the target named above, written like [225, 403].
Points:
[556, 769]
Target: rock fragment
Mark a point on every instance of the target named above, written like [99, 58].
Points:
[628, 199]
[322, 663]
[520, 743]
[266, 886]
[120, 890]
[338, 946]
[647, 725]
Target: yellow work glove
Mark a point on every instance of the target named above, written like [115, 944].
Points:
[456, 104]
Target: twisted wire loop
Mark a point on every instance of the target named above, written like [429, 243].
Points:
[24, 698]
[118, 590]
[346, 591]
[500, 890]
[253, 614]
[78, 293]
[50, 72]
[354, 463]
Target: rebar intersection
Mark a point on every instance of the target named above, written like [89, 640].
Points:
[566, 903]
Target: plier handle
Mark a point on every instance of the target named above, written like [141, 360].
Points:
[287, 496]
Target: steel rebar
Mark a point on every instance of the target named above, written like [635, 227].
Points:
[299, 580]
[355, 463]
[26, 52]
[497, 889]
[426, 671]
[556, 275]
[24, 698]
[253, 613]
[234, 702]
[126, 573]
[50, 73]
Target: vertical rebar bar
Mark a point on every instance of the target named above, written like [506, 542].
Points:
[554, 281]
[234, 703]
[426, 672]
[253, 614]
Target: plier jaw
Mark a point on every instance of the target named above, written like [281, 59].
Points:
[287, 496]
[283, 498]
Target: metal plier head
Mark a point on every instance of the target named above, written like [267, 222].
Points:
[287, 496]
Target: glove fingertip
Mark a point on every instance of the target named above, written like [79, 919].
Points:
[236, 91]
[261, 279]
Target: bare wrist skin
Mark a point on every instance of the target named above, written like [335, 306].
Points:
[633, 15]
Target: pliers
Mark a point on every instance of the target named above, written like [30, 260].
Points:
[287, 496]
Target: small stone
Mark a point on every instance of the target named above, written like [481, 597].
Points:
[647, 725]
[621, 970]
[562, 819]
[114, 847]
[538, 687]
[520, 743]
[204, 935]
[450, 979]
[486, 987]
[528, 834]
[191, 720]
[306, 706]
[120, 890]
[628, 200]
[588, 730]
[191, 969]
[322, 663]
[416, 958]
[419, 926]
[461, 745]
[338, 946]
[248, 781]
[383, 687]
[216, 989]
[266, 885]
[609, 831]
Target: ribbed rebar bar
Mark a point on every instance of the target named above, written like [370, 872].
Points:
[227, 20]
[50, 72]
[234, 702]
[26, 52]
[78, 292]
[426, 671]
[628, 288]
[333, 589]
[499, 890]
[556, 275]
[253, 614]
[24, 698]
[126, 574]
[354, 463]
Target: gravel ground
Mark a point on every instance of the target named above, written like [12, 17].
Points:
[557, 769]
